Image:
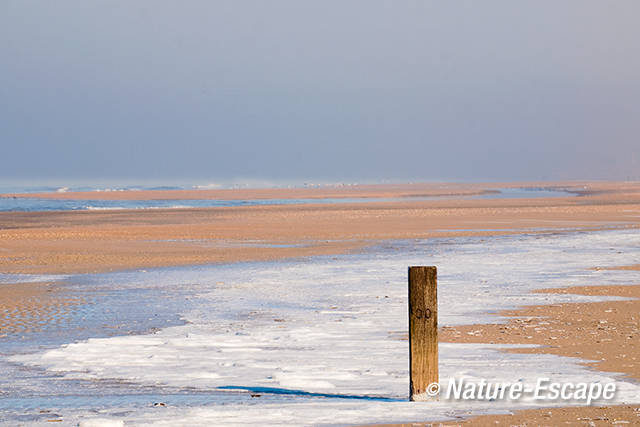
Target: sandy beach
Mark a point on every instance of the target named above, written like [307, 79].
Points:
[99, 241]
[608, 331]
[93, 241]
[604, 333]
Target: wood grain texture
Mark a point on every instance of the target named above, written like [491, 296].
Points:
[423, 330]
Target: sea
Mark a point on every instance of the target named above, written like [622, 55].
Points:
[33, 204]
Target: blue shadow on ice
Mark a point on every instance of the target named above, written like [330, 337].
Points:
[285, 391]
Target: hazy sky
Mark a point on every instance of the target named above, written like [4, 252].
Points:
[334, 90]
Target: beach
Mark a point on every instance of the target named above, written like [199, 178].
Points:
[212, 214]
[103, 241]
[604, 333]
[93, 241]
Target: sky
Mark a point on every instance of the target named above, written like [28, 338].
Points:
[349, 90]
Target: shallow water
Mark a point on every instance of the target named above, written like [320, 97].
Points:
[37, 204]
[312, 337]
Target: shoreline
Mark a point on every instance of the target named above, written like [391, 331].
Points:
[101, 241]
[435, 189]
[372, 191]
[68, 242]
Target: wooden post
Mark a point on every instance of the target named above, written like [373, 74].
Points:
[423, 332]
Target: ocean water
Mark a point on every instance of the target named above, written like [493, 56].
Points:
[36, 204]
[30, 187]
[311, 341]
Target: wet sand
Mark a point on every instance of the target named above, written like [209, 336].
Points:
[25, 307]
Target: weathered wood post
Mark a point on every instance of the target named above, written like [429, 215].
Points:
[423, 333]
